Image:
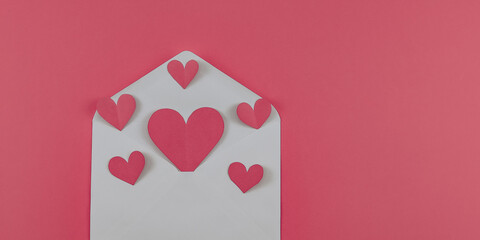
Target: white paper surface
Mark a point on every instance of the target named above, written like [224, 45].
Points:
[172, 205]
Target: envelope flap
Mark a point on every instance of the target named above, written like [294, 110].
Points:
[119, 209]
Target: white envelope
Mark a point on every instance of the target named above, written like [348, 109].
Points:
[166, 204]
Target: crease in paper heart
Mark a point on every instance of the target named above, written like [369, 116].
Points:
[117, 114]
[127, 171]
[244, 179]
[186, 144]
[183, 75]
[257, 116]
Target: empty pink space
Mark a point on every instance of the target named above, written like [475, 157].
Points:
[379, 100]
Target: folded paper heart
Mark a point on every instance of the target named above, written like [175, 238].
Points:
[117, 114]
[245, 179]
[254, 117]
[183, 75]
[186, 144]
[127, 171]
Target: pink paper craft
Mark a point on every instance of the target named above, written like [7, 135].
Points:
[183, 75]
[254, 118]
[127, 171]
[245, 179]
[186, 145]
[117, 114]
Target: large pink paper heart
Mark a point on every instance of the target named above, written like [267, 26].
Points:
[186, 145]
[117, 114]
[254, 117]
[183, 75]
[127, 171]
[245, 179]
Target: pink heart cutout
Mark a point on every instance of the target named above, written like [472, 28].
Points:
[254, 117]
[183, 75]
[117, 114]
[186, 144]
[245, 179]
[127, 171]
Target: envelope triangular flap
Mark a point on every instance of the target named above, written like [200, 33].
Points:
[213, 206]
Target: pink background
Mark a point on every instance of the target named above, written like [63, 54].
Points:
[379, 101]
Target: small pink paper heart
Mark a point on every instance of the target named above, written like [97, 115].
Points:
[254, 117]
[127, 171]
[117, 114]
[245, 179]
[186, 144]
[183, 75]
